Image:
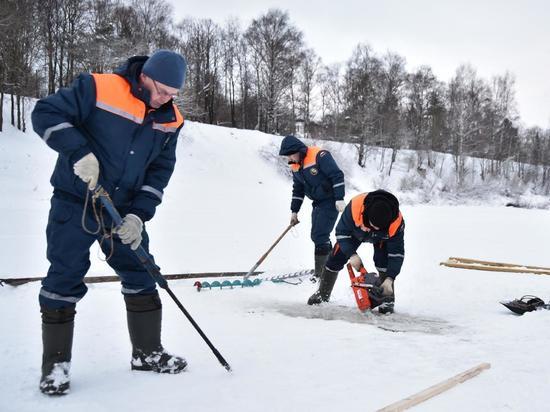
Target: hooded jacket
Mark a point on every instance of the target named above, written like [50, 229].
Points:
[317, 176]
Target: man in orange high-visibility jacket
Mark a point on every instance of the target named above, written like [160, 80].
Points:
[118, 130]
[316, 175]
[374, 218]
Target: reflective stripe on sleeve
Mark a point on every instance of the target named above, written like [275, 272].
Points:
[152, 190]
[57, 127]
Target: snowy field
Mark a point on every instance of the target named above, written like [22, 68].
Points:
[227, 201]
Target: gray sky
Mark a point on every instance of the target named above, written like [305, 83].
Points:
[494, 36]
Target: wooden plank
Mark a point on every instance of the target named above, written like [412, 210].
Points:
[435, 390]
[512, 269]
[486, 262]
[101, 279]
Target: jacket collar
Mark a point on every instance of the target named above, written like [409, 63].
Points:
[131, 70]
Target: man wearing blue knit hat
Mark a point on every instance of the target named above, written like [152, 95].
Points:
[120, 131]
[164, 73]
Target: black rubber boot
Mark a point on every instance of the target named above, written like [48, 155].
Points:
[320, 262]
[57, 341]
[328, 279]
[144, 314]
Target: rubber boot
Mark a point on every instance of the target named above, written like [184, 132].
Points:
[57, 341]
[144, 313]
[320, 262]
[328, 279]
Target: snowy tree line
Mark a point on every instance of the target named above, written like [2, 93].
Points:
[263, 76]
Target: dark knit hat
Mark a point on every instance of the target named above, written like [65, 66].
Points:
[380, 214]
[166, 67]
[381, 209]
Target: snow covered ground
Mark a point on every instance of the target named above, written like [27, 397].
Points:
[227, 201]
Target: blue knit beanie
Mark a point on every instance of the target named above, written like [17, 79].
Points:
[166, 67]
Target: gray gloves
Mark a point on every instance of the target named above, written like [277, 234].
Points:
[356, 262]
[87, 169]
[387, 287]
[130, 230]
[340, 205]
[294, 219]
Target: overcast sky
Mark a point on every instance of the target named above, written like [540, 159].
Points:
[494, 36]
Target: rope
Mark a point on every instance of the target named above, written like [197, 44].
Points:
[98, 217]
[112, 248]
[83, 218]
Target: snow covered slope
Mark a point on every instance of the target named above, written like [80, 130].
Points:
[227, 201]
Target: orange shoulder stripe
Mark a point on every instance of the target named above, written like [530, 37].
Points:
[113, 95]
[395, 225]
[357, 207]
[311, 156]
[309, 160]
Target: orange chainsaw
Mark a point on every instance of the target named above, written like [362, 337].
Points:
[367, 294]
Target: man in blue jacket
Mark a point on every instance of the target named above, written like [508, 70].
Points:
[374, 218]
[316, 175]
[119, 130]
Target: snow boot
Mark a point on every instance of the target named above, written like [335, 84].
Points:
[386, 307]
[144, 313]
[320, 262]
[57, 341]
[328, 279]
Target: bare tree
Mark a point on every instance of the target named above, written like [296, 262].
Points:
[306, 83]
[17, 52]
[6, 13]
[275, 44]
[394, 78]
[230, 38]
[364, 92]
[419, 85]
[245, 80]
[201, 45]
[332, 94]
[154, 23]
[468, 97]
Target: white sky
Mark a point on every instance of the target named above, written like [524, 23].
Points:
[494, 36]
